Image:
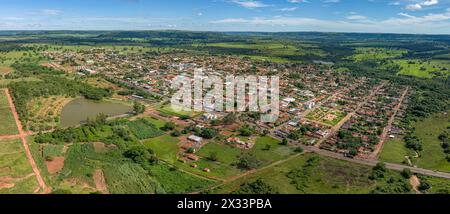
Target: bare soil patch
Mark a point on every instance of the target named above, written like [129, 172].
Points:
[100, 182]
[99, 147]
[56, 165]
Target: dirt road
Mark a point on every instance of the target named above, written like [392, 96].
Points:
[386, 130]
[23, 137]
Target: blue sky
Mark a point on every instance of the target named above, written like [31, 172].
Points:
[389, 16]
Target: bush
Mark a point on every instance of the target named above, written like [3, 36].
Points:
[169, 126]
[406, 173]
[248, 161]
[298, 150]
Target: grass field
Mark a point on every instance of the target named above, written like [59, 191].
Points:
[275, 153]
[5, 82]
[394, 151]
[225, 153]
[363, 54]
[169, 111]
[9, 58]
[165, 147]
[16, 174]
[222, 168]
[8, 124]
[325, 176]
[269, 50]
[428, 130]
[424, 69]
[158, 123]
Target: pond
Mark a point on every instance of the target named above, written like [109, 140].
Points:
[79, 110]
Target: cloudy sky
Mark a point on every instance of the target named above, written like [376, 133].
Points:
[388, 16]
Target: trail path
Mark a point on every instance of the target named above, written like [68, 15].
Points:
[23, 136]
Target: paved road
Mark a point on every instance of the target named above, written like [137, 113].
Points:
[392, 166]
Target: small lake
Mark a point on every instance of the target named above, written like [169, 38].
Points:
[79, 110]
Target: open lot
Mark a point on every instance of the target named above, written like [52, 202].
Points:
[310, 173]
[16, 174]
[428, 130]
[8, 126]
[394, 151]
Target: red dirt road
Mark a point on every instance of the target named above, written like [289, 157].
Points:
[23, 137]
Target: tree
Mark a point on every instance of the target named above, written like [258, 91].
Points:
[245, 131]
[208, 133]
[424, 186]
[175, 133]
[257, 187]
[212, 156]
[406, 173]
[284, 142]
[138, 108]
[298, 149]
[248, 161]
[169, 126]
[190, 150]
[140, 154]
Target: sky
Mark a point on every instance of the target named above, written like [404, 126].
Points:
[369, 16]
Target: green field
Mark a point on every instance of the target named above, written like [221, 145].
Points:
[8, 126]
[272, 51]
[363, 54]
[165, 147]
[169, 111]
[394, 151]
[158, 123]
[225, 153]
[275, 153]
[424, 69]
[428, 130]
[326, 175]
[15, 170]
[9, 58]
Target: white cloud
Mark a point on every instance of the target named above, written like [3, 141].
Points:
[288, 9]
[51, 12]
[437, 23]
[356, 17]
[420, 5]
[297, 1]
[249, 3]
[430, 2]
[331, 1]
[413, 7]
